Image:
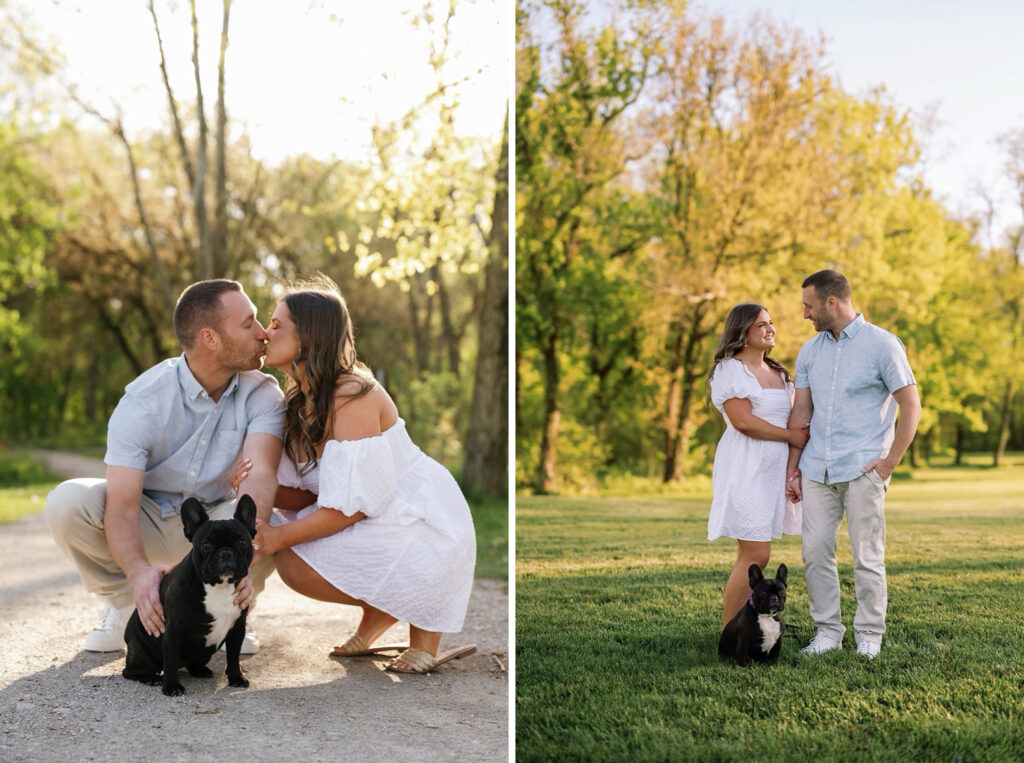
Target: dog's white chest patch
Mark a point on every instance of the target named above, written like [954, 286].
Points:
[220, 604]
[771, 630]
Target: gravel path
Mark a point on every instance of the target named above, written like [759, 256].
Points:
[60, 703]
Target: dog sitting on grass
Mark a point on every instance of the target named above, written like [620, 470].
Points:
[755, 633]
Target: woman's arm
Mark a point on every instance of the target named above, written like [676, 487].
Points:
[742, 417]
[319, 524]
[293, 498]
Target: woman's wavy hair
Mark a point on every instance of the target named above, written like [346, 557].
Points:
[734, 336]
[328, 350]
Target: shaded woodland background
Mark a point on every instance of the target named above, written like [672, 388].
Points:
[669, 166]
[100, 229]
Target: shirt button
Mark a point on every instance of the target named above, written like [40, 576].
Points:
[191, 474]
[202, 442]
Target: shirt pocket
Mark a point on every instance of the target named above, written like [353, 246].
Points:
[225, 448]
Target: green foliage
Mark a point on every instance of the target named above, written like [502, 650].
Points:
[618, 610]
[86, 306]
[668, 171]
[490, 520]
[18, 468]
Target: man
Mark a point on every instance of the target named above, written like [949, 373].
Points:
[177, 432]
[850, 378]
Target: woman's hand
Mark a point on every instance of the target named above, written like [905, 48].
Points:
[242, 469]
[267, 541]
[798, 436]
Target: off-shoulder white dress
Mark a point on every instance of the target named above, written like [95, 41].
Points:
[413, 556]
[749, 480]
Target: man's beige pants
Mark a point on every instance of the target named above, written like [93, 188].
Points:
[74, 511]
[863, 502]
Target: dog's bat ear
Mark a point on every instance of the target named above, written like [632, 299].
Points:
[781, 574]
[192, 516]
[755, 575]
[245, 512]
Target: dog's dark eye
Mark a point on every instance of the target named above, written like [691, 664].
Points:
[207, 547]
[242, 543]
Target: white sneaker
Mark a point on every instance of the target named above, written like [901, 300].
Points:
[822, 643]
[250, 644]
[109, 634]
[869, 649]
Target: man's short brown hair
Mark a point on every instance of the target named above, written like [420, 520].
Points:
[829, 283]
[198, 307]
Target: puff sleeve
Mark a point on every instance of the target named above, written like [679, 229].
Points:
[287, 474]
[358, 475]
[731, 379]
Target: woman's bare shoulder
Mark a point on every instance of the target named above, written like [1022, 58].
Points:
[364, 416]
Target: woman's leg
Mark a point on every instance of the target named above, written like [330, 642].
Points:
[302, 578]
[428, 641]
[737, 590]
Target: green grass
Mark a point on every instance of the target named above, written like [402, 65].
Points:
[23, 485]
[618, 610]
[490, 518]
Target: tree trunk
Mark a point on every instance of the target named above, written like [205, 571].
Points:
[485, 469]
[449, 335]
[959, 459]
[154, 257]
[220, 217]
[420, 332]
[672, 403]
[1005, 415]
[205, 263]
[682, 391]
[548, 462]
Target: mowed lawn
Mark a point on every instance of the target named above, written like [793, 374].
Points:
[618, 611]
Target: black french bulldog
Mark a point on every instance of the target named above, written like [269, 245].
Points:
[756, 630]
[198, 601]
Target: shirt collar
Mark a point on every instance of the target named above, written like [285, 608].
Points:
[851, 329]
[193, 389]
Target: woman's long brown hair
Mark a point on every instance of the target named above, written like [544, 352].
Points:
[328, 349]
[734, 336]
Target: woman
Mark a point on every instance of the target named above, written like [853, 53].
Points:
[364, 517]
[754, 394]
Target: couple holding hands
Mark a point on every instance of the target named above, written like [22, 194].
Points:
[349, 510]
[800, 452]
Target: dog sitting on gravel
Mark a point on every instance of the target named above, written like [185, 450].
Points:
[198, 601]
[755, 633]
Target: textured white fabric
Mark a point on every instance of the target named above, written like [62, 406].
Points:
[749, 479]
[414, 554]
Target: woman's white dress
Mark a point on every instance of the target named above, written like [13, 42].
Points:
[413, 556]
[749, 480]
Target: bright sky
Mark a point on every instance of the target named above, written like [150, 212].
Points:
[964, 56]
[303, 76]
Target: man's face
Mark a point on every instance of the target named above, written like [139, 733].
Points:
[820, 313]
[243, 340]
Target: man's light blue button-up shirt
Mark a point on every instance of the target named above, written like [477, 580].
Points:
[187, 444]
[851, 381]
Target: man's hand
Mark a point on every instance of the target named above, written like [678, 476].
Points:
[882, 466]
[794, 490]
[146, 582]
[245, 593]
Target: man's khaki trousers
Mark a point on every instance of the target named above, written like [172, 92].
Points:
[74, 511]
[863, 502]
